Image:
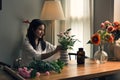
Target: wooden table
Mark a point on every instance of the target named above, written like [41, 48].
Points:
[87, 71]
[72, 71]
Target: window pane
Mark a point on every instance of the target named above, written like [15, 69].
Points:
[76, 8]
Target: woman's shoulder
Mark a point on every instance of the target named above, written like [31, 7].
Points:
[49, 45]
[26, 41]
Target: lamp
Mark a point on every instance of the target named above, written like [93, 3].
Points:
[52, 10]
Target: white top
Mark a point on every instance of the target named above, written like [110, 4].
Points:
[28, 52]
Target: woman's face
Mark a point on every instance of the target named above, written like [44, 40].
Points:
[40, 31]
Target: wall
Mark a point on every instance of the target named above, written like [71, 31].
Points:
[116, 10]
[12, 30]
[103, 10]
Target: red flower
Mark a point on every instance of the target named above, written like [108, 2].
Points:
[107, 23]
[116, 23]
[111, 39]
[102, 26]
[110, 29]
[95, 39]
[26, 21]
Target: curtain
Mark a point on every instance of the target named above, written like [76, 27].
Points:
[79, 16]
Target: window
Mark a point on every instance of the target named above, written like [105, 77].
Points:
[78, 17]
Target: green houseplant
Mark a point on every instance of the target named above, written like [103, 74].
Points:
[67, 42]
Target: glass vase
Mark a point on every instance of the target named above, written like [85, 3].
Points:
[100, 55]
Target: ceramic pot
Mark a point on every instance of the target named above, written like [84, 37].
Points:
[64, 56]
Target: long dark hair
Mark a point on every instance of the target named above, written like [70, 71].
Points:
[31, 33]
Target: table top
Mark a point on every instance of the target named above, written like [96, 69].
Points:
[89, 70]
[72, 71]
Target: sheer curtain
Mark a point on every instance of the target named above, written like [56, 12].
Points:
[79, 17]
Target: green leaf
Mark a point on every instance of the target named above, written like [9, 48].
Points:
[69, 29]
[60, 63]
[33, 73]
[89, 42]
[42, 66]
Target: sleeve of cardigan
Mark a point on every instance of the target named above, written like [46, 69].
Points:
[49, 47]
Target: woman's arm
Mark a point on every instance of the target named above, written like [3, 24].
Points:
[47, 55]
[50, 50]
[38, 54]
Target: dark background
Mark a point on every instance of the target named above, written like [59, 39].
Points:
[0, 4]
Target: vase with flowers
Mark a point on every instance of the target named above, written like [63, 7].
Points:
[114, 48]
[106, 34]
[114, 29]
[66, 41]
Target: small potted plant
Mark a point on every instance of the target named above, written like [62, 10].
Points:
[67, 42]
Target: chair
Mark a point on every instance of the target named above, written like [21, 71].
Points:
[75, 54]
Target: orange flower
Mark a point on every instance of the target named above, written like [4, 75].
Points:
[111, 39]
[95, 39]
[116, 23]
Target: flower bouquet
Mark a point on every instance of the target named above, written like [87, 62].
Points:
[108, 33]
[104, 35]
[66, 40]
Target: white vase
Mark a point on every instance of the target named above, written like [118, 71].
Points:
[117, 51]
[64, 56]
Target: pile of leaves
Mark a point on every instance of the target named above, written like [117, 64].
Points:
[42, 66]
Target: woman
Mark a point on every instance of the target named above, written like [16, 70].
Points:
[35, 46]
